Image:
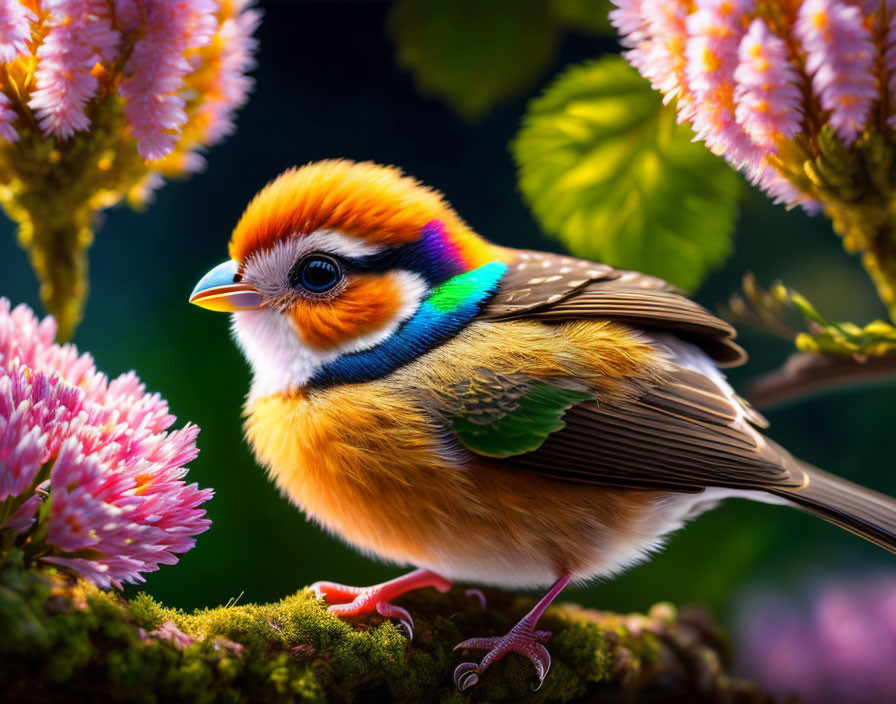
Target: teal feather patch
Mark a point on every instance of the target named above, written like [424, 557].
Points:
[492, 429]
[465, 288]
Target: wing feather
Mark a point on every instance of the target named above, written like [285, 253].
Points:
[684, 435]
[555, 288]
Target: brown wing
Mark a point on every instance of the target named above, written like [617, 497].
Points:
[684, 435]
[553, 287]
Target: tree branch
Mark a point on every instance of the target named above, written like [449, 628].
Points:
[62, 641]
[806, 373]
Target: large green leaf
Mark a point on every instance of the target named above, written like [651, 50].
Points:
[473, 53]
[607, 170]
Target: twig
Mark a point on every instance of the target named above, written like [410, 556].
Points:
[806, 373]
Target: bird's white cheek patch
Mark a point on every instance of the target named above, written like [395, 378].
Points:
[282, 362]
[279, 361]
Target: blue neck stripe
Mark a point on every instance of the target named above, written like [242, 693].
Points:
[429, 327]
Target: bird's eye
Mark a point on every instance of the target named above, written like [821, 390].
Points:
[316, 273]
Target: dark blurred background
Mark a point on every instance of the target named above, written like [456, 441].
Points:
[327, 86]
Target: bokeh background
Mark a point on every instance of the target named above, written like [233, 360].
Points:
[328, 85]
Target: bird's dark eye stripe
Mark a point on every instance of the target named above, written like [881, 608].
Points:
[382, 262]
[316, 273]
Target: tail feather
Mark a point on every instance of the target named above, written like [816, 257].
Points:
[855, 508]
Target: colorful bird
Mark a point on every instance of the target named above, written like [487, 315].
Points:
[485, 414]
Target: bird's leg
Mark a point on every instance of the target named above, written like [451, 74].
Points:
[351, 601]
[522, 639]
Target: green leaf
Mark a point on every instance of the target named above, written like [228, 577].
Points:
[539, 413]
[473, 53]
[607, 170]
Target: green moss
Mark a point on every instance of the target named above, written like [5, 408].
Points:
[63, 641]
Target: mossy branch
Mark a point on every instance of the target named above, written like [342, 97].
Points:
[63, 641]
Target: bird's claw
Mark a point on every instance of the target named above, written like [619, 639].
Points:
[390, 611]
[466, 675]
[526, 642]
[361, 600]
[478, 595]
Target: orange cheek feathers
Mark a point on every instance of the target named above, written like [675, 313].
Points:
[369, 303]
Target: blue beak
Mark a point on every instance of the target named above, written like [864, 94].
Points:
[221, 290]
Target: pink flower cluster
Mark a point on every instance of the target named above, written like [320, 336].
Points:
[144, 49]
[749, 75]
[835, 645]
[91, 479]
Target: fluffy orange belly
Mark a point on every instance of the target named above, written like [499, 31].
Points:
[371, 470]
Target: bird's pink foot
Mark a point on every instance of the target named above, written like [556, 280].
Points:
[352, 601]
[522, 639]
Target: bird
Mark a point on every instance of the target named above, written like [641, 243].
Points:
[484, 414]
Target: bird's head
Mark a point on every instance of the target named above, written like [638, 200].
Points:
[342, 271]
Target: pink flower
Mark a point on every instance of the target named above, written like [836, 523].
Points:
[146, 51]
[15, 29]
[759, 75]
[836, 644]
[779, 189]
[156, 69]
[766, 93]
[7, 118]
[232, 83]
[629, 18]
[840, 58]
[80, 36]
[664, 58]
[716, 30]
[99, 453]
[890, 55]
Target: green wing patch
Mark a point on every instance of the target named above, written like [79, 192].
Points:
[536, 413]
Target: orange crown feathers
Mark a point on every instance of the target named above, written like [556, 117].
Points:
[375, 203]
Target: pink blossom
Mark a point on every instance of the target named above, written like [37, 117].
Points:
[840, 58]
[36, 411]
[779, 189]
[716, 30]
[890, 55]
[156, 70]
[15, 29]
[145, 51]
[23, 518]
[7, 118]
[835, 644]
[80, 36]
[127, 15]
[767, 96]
[232, 83]
[629, 18]
[663, 60]
[100, 452]
[758, 75]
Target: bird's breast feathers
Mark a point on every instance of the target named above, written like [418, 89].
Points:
[382, 463]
